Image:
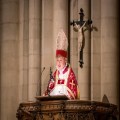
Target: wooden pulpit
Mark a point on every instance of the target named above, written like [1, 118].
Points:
[61, 108]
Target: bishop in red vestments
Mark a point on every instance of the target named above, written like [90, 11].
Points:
[64, 80]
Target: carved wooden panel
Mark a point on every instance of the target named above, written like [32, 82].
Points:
[66, 110]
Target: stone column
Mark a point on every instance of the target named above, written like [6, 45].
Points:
[74, 15]
[23, 49]
[84, 74]
[96, 51]
[9, 59]
[110, 50]
[60, 19]
[47, 55]
[34, 47]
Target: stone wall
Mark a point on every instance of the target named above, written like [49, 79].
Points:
[28, 31]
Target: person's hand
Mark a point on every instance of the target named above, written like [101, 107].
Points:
[51, 85]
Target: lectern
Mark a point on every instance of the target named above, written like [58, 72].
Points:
[60, 108]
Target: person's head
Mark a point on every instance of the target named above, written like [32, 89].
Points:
[60, 62]
[61, 50]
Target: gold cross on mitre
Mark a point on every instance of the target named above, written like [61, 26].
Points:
[72, 84]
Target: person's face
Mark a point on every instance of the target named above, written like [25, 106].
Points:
[60, 62]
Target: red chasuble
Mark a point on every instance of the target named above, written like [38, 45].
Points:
[66, 85]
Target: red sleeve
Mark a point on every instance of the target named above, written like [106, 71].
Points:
[72, 83]
[51, 84]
